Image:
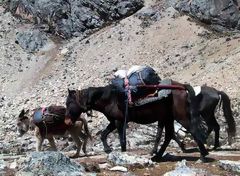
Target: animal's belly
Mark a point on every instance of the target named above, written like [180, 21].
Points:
[147, 119]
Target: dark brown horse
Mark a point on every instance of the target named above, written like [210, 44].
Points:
[209, 99]
[111, 102]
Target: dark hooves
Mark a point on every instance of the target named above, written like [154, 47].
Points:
[156, 158]
[108, 150]
[74, 156]
[153, 152]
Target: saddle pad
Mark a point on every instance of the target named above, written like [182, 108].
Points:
[165, 92]
[161, 94]
[146, 101]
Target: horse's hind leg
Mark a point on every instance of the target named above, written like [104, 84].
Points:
[169, 132]
[180, 144]
[104, 135]
[203, 150]
[216, 129]
[158, 137]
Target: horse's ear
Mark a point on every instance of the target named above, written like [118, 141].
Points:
[69, 91]
[21, 113]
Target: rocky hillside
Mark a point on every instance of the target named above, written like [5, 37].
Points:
[38, 64]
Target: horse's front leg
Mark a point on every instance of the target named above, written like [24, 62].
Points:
[122, 134]
[158, 137]
[104, 135]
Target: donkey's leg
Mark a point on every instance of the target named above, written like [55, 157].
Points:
[169, 132]
[122, 135]
[52, 143]
[104, 135]
[158, 137]
[77, 141]
[84, 138]
[39, 139]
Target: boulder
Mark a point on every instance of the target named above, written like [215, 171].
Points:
[31, 40]
[119, 158]
[221, 14]
[49, 163]
[230, 165]
[183, 170]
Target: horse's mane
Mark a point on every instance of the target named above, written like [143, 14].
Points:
[58, 110]
[88, 96]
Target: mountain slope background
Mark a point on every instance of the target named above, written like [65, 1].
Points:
[174, 44]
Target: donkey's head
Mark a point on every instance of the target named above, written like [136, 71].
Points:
[23, 123]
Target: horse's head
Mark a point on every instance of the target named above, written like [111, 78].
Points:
[80, 101]
[23, 123]
[76, 104]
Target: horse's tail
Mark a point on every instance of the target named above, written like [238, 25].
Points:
[227, 111]
[86, 128]
[198, 126]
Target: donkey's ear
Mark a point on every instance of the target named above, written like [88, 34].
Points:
[21, 113]
[69, 91]
[27, 111]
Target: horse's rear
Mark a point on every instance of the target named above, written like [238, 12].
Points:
[181, 106]
[209, 103]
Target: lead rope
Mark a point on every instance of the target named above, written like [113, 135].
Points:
[127, 100]
[44, 122]
[45, 128]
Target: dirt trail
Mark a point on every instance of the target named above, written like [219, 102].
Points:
[161, 168]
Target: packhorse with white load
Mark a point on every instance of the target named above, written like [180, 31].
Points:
[124, 101]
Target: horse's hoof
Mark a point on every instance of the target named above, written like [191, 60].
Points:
[183, 148]
[74, 156]
[153, 152]
[124, 150]
[108, 150]
[156, 158]
[216, 147]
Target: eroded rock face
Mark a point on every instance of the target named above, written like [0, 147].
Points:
[73, 18]
[221, 14]
[31, 40]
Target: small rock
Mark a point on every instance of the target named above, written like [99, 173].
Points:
[230, 165]
[119, 168]
[104, 166]
[64, 51]
[183, 170]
